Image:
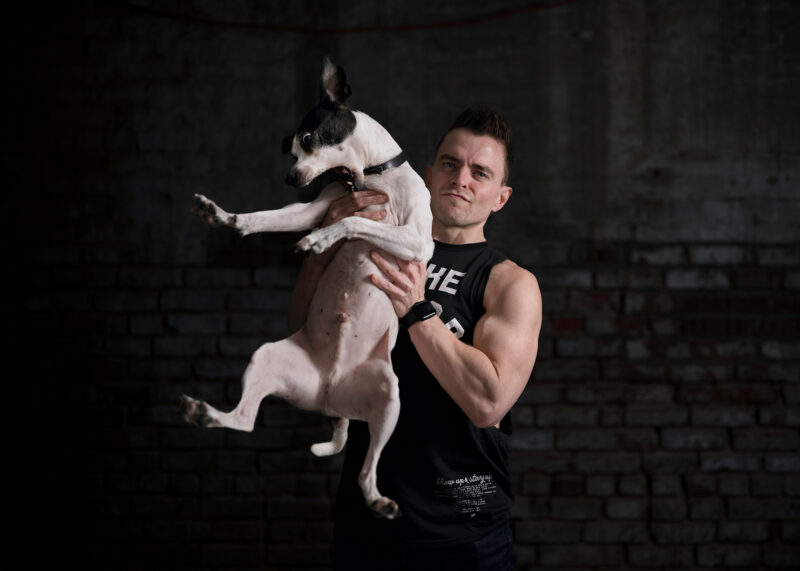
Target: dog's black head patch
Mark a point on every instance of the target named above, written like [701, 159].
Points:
[330, 122]
[325, 127]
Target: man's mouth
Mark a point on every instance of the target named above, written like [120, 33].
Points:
[456, 195]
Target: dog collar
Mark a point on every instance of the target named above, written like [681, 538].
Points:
[388, 165]
[344, 175]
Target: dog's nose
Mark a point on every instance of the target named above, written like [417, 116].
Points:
[292, 179]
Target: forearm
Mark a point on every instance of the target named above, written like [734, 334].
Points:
[464, 372]
[485, 378]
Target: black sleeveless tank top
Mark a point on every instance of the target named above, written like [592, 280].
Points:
[449, 477]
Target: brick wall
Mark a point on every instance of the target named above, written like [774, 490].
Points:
[661, 427]
[656, 200]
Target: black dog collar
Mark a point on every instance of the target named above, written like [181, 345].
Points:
[388, 165]
[346, 177]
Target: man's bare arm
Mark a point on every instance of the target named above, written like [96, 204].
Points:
[484, 379]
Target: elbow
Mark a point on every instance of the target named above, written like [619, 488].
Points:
[487, 414]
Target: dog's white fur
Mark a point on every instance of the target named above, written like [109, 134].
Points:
[339, 362]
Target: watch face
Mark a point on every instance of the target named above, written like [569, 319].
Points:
[419, 312]
[425, 310]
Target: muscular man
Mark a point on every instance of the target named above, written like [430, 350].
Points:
[459, 374]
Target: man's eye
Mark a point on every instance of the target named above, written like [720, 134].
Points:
[481, 174]
[447, 164]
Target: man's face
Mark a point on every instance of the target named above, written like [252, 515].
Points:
[466, 179]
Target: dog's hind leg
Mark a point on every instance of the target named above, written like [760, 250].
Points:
[371, 393]
[283, 369]
[337, 440]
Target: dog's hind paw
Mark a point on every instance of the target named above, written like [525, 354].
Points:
[195, 411]
[386, 508]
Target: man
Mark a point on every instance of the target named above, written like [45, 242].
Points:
[459, 374]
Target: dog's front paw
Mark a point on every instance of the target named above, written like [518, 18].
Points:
[209, 212]
[317, 241]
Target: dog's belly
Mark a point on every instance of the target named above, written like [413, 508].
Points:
[349, 317]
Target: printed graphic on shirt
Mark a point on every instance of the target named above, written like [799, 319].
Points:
[446, 280]
[453, 325]
[468, 494]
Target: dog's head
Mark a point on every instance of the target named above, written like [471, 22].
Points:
[323, 140]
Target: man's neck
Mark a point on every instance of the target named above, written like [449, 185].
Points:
[458, 234]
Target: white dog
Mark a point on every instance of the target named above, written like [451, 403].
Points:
[339, 363]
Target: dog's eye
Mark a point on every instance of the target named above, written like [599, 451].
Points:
[306, 140]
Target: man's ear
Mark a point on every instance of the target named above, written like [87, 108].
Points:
[502, 198]
[427, 176]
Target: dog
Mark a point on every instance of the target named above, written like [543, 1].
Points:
[339, 363]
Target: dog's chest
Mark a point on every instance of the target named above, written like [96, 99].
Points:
[348, 314]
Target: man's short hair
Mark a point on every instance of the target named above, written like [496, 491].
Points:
[485, 122]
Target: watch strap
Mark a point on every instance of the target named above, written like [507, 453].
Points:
[420, 311]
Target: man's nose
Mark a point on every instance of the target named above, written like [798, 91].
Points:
[461, 177]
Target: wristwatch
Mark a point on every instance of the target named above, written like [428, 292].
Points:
[420, 311]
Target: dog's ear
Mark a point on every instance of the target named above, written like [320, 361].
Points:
[333, 88]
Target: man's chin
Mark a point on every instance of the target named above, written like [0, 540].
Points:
[450, 220]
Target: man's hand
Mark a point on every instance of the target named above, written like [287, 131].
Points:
[349, 204]
[403, 281]
[353, 204]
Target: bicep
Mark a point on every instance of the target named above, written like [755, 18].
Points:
[508, 333]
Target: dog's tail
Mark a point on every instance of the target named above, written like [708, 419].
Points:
[337, 442]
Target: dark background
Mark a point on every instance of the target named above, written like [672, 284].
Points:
[657, 200]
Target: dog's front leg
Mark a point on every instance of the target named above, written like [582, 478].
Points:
[410, 242]
[291, 218]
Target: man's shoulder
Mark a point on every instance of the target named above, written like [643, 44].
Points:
[508, 273]
[509, 279]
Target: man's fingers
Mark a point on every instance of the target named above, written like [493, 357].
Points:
[372, 214]
[408, 268]
[360, 199]
[391, 271]
[368, 197]
[387, 286]
[352, 203]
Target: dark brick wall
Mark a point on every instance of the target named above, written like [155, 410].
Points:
[656, 199]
